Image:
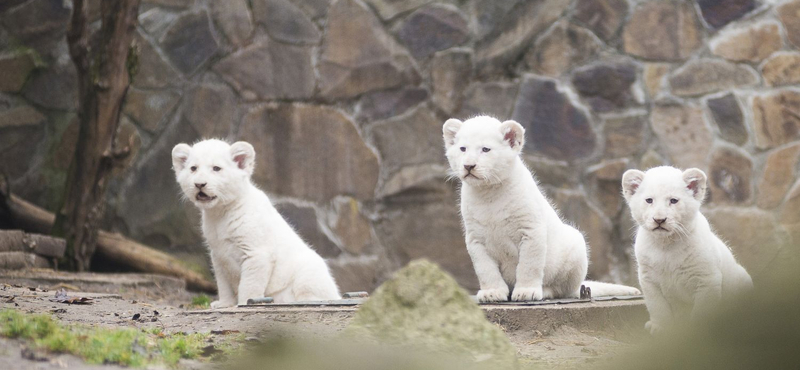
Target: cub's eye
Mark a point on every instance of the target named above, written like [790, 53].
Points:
[463, 149]
[193, 168]
[673, 201]
[649, 200]
[486, 150]
[216, 169]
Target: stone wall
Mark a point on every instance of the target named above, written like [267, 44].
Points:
[344, 101]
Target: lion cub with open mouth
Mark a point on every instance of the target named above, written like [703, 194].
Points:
[514, 236]
[684, 268]
[254, 252]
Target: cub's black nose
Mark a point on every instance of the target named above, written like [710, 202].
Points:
[200, 186]
[469, 167]
[660, 220]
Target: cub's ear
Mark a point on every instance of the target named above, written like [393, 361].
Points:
[631, 180]
[180, 154]
[695, 180]
[513, 134]
[449, 131]
[244, 155]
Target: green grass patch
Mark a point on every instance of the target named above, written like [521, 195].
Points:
[99, 345]
[201, 301]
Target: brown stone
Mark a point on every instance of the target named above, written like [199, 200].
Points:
[780, 169]
[729, 176]
[149, 108]
[413, 178]
[284, 21]
[129, 140]
[15, 67]
[662, 30]
[309, 152]
[782, 69]
[789, 15]
[606, 86]
[21, 116]
[352, 228]
[492, 98]
[388, 9]
[790, 214]
[776, 118]
[153, 71]
[729, 118]
[380, 105]
[718, 13]
[512, 37]
[37, 18]
[359, 275]
[596, 228]
[304, 220]
[604, 17]
[451, 72]
[624, 135]
[55, 87]
[752, 235]
[558, 174]
[703, 76]
[189, 42]
[233, 18]
[269, 70]
[555, 126]
[751, 44]
[651, 159]
[433, 28]
[314, 8]
[358, 55]
[179, 4]
[682, 131]
[561, 48]
[654, 77]
[66, 141]
[606, 184]
[211, 110]
[21, 131]
[489, 15]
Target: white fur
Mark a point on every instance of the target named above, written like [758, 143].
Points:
[515, 238]
[684, 269]
[254, 252]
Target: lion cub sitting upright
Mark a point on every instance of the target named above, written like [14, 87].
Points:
[684, 269]
[517, 241]
[254, 252]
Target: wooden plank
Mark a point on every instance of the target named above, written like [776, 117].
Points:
[20, 241]
[22, 260]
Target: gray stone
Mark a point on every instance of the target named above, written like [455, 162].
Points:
[211, 110]
[269, 70]
[8, 4]
[314, 8]
[597, 229]
[433, 28]
[493, 53]
[309, 152]
[156, 21]
[21, 116]
[411, 139]
[605, 179]
[718, 13]
[703, 76]
[127, 139]
[149, 108]
[653, 77]
[752, 235]
[606, 86]
[411, 179]
[355, 275]
[189, 42]
[451, 72]
[153, 71]
[556, 174]
[351, 227]
[750, 44]
[561, 48]
[233, 18]
[555, 126]
[389, 103]
[729, 176]
[358, 55]
[728, 116]
[37, 18]
[16, 67]
[179, 4]
[489, 15]
[682, 131]
[55, 87]
[624, 135]
[782, 69]
[388, 9]
[790, 214]
[491, 98]
[284, 21]
[780, 170]
[604, 17]
[776, 118]
[662, 30]
[789, 15]
[305, 222]
[22, 129]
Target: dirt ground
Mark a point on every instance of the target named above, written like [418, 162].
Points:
[547, 341]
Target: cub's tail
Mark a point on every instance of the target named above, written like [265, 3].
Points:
[605, 289]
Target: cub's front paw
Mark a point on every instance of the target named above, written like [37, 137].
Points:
[653, 328]
[492, 295]
[527, 294]
[220, 304]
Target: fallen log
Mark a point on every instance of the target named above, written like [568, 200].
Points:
[43, 245]
[112, 246]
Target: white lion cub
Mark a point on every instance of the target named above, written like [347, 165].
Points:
[514, 236]
[254, 252]
[684, 269]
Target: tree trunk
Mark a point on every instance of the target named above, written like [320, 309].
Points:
[103, 80]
